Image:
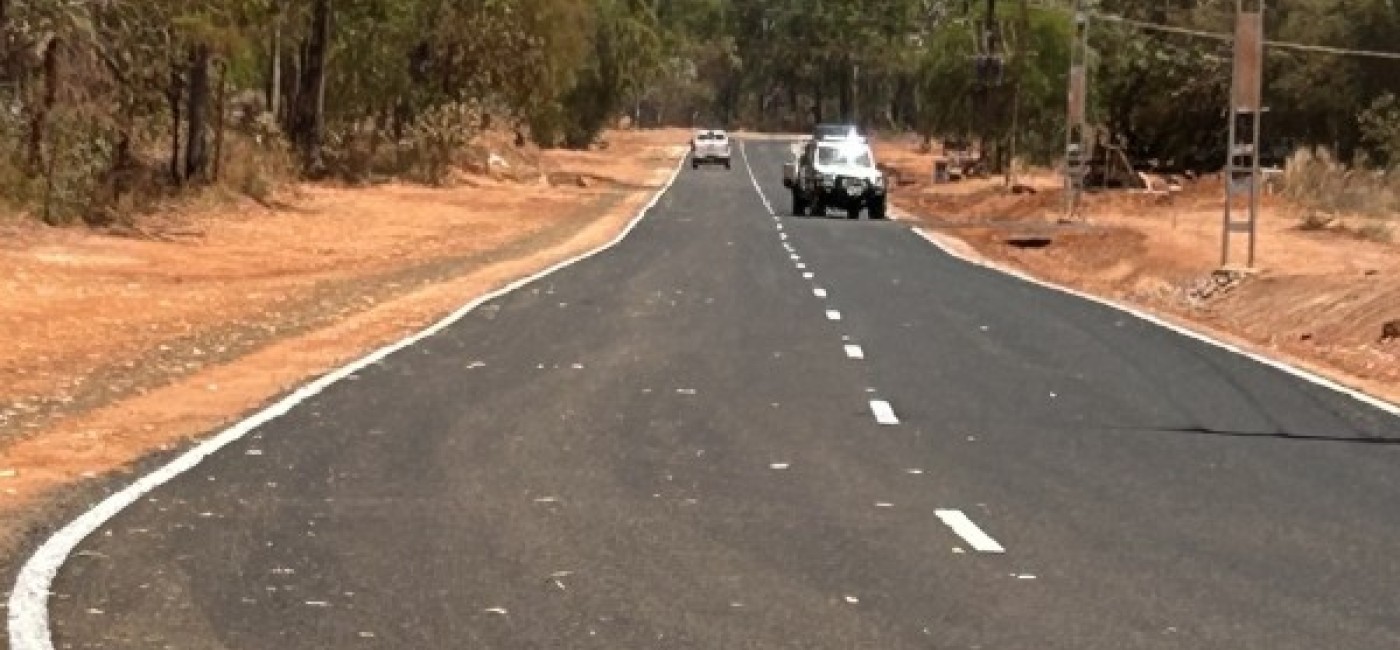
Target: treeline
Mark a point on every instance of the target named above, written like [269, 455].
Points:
[107, 102]
[1164, 94]
[941, 67]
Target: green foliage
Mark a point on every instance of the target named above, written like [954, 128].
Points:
[399, 72]
[1380, 127]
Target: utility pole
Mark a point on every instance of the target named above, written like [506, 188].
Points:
[1246, 113]
[988, 78]
[1076, 124]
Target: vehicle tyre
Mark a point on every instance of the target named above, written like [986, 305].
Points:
[799, 205]
[726, 163]
[695, 164]
[877, 210]
[853, 212]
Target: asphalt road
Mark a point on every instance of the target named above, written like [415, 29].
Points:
[671, 445]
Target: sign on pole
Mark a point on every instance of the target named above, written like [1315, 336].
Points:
[1249, 60]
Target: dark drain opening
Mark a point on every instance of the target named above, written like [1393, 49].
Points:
[1030, 242]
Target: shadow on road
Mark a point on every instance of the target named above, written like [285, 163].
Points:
[1279, 435]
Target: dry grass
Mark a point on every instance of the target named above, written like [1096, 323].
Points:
[1331, 195]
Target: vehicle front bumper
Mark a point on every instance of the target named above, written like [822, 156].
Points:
[843, 194]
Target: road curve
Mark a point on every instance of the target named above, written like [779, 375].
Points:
[736, 430]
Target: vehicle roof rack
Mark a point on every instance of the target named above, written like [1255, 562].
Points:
[843, 137]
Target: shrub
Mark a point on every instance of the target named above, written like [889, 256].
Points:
[437, 135]
[1326, 189]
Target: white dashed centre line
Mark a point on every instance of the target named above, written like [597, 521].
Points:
[978, 540]
[801, 265]
[819, 292]
[808, 275]
[855, 352]
[884, 413]
[782, 236]
[832, 314]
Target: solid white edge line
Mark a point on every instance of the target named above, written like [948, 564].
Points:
[744, 153]
[855, 352]
[1283, 366]
[884, 413]
[969, 532]
[28, 604]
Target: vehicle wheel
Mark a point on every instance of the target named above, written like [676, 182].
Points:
[695, 164]
[853, 212]
[726, 164]
[799, 206]
[877, 210]
[818, 208]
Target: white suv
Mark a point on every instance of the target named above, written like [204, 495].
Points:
[709, 147]
[838, 171]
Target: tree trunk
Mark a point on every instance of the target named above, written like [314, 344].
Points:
[274, 87]
[846, 93]
[291, 86]
[220, 96]
[39, 121]
[174, 94]
[311, 95]
[197, 142]
[6, 41]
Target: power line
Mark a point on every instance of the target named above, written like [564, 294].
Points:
[1228, 38]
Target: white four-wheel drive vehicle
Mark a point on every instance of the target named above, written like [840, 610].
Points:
[709, 148]
[835, 170]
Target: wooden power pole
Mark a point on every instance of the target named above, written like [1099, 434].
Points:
[1246, 111]
[1076, 122]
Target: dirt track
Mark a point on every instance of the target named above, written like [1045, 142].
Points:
[1318, 299]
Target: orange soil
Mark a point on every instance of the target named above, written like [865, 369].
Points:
[1318, 299]
[118, 347]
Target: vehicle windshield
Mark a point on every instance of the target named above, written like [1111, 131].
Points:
[844, 154]
[710, 136]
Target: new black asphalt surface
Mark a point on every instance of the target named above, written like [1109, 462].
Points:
[667, 446]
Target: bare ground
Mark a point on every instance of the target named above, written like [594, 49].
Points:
[118, 347]
[1317, 298]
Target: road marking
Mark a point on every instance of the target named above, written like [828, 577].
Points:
[744, 153]
[832, 314]
[884, 413]
[854, 352]
[29, 599]
[819, 292]
[807, 275]
[795, 257]
[978, 540]
[1305, 375]
[782, 236]
[801, 265]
